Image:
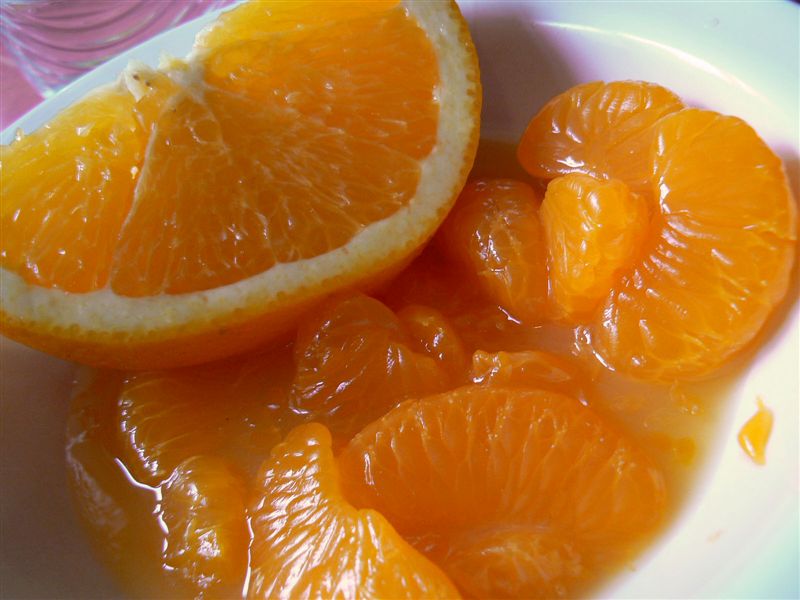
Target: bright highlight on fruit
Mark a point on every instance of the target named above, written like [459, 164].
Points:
[188, 213]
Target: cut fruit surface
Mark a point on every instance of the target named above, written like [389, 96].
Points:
[499, 475]
[201, 208]
[309, 542]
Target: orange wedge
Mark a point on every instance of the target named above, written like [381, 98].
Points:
[195, 211]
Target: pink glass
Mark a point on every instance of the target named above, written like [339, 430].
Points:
[48, 43]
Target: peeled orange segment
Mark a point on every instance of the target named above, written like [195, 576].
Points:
[599, 129]
[167, 417]
[356, 360]
[309, 542]
[186, 214]
[529, 368]
[434, 335]
[503, 473]
[494, 231]
[719, 254]
[593, 230]
[204, 511]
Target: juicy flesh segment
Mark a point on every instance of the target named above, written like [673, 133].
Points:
[283, 146]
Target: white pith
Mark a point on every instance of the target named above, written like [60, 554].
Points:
[376, 245]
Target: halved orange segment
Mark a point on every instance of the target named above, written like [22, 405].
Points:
[599, 129]
[505, 476]
[309, 542]
[185, 214]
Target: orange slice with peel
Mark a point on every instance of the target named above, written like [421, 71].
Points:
[189, 213]
[309, 542]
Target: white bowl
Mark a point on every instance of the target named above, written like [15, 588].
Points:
[737, 536]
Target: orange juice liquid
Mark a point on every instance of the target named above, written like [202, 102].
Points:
[674, 423]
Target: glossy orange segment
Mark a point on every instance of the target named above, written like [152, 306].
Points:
[494, 231]
[599, 129]
[717, 259]
[593, 230]
[505, 474]
[166, 417]
[755, 433]
[357, 359]
[204, 511]
[309, 542]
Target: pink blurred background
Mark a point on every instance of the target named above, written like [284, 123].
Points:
[17, 96]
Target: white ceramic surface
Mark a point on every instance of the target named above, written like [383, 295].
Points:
[739, 535]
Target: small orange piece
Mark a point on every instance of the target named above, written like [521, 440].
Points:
[754, 435]
[593, 230]
[188, 213]
[483, 479]
[203, 509]
[494, 231]
[600, 129]
[309, 542]
[357, 359]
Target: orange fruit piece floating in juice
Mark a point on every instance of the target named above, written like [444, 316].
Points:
[356, 359]
[514, 492]
[188, 213]
[495, 232]
[309, 542]
[721, 238]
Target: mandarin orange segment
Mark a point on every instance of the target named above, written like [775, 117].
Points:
[494, 230]
[532, 369]
[599, 129]
[483, 463]
[718, 257]
[167, 417]
[434, 335]
[308, 541]
[356, 360]
[593, 231]
[204, 511]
